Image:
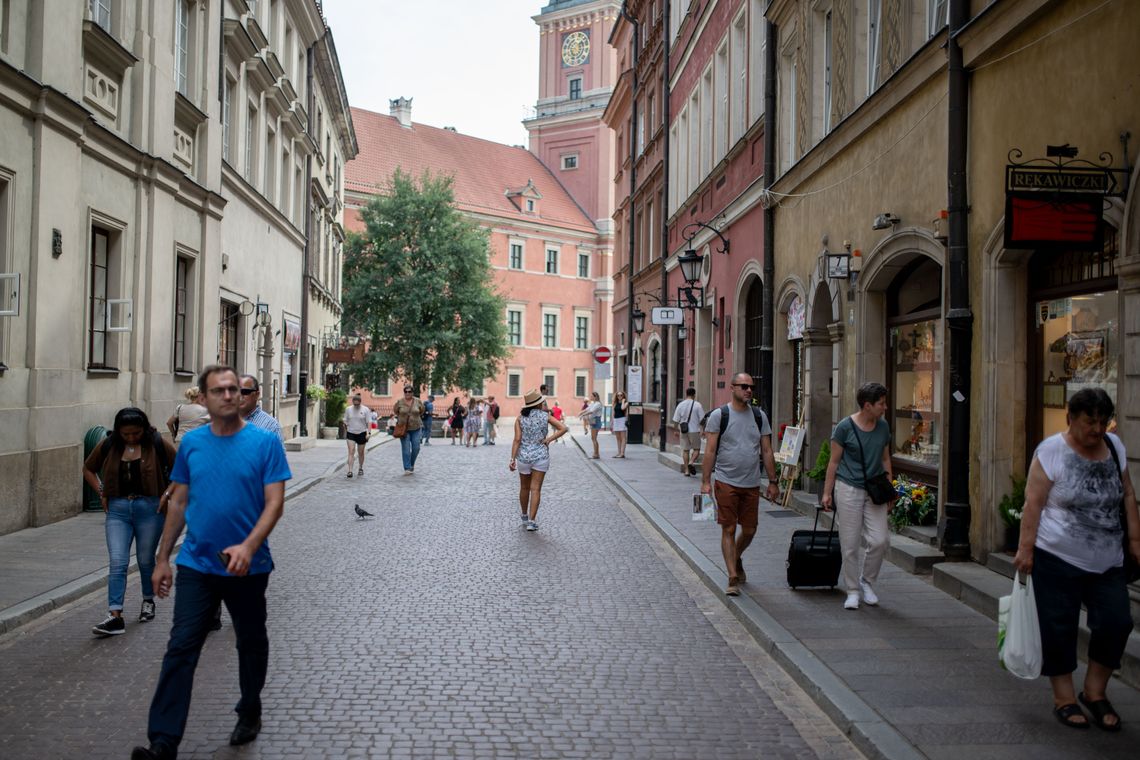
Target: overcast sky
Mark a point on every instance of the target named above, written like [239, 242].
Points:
[468, 64]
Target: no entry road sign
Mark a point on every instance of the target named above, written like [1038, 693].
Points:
[602, 354]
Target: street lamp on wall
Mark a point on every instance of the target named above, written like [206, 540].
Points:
[638, 320]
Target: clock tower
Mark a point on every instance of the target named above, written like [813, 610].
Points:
[577, 70]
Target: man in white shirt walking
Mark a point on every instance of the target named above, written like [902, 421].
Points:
[688, 416]
[357, 422]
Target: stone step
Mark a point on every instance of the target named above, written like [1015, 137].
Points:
[1001, 563]
[674, 461]
[981, 588]
[927, 534]
[300, 443]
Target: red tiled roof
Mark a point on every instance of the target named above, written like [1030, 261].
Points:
[484, 171]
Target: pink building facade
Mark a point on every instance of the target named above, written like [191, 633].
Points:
[546, 253]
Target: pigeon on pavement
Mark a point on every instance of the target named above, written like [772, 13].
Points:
[360, 513]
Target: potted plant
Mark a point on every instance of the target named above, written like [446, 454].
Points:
[334, 411]
[316, 392]
[818, 473]
[1009, 508]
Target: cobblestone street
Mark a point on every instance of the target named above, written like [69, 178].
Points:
[441, 628]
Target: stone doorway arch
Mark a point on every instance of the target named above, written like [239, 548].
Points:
[822, 360]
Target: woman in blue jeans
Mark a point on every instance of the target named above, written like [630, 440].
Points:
[129, 471]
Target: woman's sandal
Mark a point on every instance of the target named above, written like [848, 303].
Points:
[1101, 709]
[1066, 713]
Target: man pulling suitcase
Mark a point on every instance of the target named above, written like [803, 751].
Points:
[739, 435]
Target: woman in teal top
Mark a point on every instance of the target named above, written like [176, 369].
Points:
[860, 449]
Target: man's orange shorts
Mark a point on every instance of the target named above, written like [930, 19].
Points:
[737, 506]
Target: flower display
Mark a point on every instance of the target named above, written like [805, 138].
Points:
[917, 503]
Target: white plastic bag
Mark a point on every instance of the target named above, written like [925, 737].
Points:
[1019, 635]
[704, 508]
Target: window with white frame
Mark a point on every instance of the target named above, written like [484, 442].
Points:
[477, 390]
[640, 131]
[757, 49]
[937, 16]
[739, 97]
[270, 172]
[674, 168]
[514, 383]
[229, 335]
[552, 261]
[383, 387]
[229, 87]
[583, 264]
[284, 180]
[100, 13]
[576, 88]
[581, 332]
[251, 145]
[103, 272]
[530, 205]
[681, 154]
[581, 384]
[549, 379]
[698, 169]
[515, 259]
[874, 37]
[570, 161]
[550, 330]
[705, 139]
[183, 313]
[651, 113]
[182, 16]
[514, 326]
[655, 373]
[720, 119]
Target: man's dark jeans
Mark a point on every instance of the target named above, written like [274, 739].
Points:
[196, 597]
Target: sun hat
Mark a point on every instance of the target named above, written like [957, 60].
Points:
[533, 398]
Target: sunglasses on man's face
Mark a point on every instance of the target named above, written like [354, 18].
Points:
[743, 386]
[248, 391]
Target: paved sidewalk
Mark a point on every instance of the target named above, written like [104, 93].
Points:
[44, 568]
[916, 676]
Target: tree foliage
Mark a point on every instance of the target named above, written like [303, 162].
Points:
[418, 285]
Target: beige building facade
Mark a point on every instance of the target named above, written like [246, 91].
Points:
[863, 130]
[148, 215]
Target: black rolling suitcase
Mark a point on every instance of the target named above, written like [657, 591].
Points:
[814, 558]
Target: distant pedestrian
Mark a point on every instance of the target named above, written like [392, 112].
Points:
[357, 425]
[621, 413]
[129, 471]
[392, 424]
[409, 412]
[592, 416]
[530, 453]
[187, 416]
[585, 420]
[688, 416]
[1072, 540]
[736, 447]
[473, 423]
[860, 450]
[557, 413]
[490, 419]
[456, 420]
[428, 420]
[545, 391]
[249, 406]
[228, 492]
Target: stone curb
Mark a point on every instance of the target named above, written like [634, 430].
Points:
[874, 736]
[32, 609]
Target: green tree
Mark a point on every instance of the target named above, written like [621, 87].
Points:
[418, 285]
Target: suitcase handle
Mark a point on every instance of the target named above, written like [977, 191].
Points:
[815, 526]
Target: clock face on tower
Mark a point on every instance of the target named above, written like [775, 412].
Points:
[575, 48]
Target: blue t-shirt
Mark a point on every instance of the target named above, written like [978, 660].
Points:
[429, 408]
[850, 471]
[227, 476]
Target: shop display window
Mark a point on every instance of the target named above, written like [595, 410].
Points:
[1078, 350]
[916, 394]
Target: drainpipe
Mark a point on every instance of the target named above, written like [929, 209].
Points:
[954, 527]
[768, 326]
[667, 114]
[302, 407]
[631, 229]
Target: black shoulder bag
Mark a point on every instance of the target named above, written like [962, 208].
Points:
[1131, 569]
[879, 488]
[685, 424]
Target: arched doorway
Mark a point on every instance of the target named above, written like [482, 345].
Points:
[819, 372]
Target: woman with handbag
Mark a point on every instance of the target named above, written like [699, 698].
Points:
[858, 487]
[621, 411]
[455, 420]
[130, 474]
[1080, 537]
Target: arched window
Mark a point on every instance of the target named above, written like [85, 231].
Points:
[753, 328]
[655, 373]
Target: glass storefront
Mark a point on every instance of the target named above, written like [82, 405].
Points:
[1075, 331]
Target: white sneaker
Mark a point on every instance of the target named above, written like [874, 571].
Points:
[869, 596]
[531, 525]
[852, 602]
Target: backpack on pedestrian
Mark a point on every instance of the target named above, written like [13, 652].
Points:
[495, 410]
[756, 414]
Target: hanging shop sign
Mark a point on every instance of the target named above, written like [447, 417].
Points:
[1057, 201]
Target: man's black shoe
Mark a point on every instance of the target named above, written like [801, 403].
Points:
[154, 752]
[245, 731]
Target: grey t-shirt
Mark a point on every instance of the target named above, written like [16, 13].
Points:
[849, 469]
[738, 450]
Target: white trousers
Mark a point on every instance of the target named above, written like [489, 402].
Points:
[863, 534]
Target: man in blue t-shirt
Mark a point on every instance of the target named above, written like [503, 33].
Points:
[228, 490]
